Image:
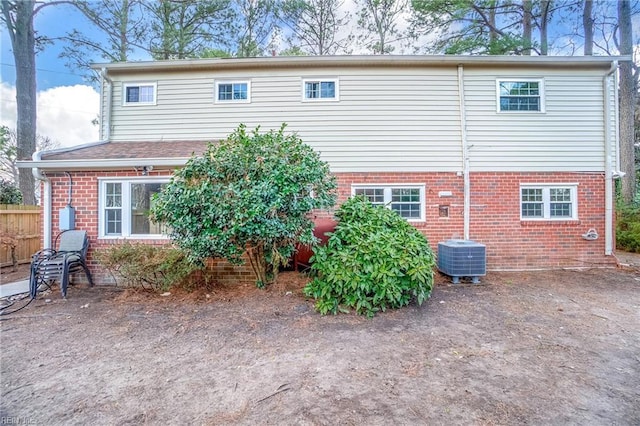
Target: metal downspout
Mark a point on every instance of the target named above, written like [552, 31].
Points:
[105, 128]
[608, 170]
[45, 199]
[465, 154]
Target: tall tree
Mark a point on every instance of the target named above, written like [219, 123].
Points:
[527, 29]
[119, 22]
[543, 25]
[315, 25]
[491, 27]
[378, 20]
[587, 27]
[256, 24]
[18, 16]
[628, 92]
[180, 29]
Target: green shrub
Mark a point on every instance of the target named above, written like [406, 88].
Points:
[628, 227]
[373, 261]
[9, 193]
[146, 266]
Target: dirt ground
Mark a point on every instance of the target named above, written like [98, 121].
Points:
[553, 347]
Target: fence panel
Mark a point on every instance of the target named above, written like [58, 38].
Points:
[22, 225]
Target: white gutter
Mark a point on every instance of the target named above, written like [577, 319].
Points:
[105, 117]
[45, 199]
[608, 170]
[465, 154]
[105, 164]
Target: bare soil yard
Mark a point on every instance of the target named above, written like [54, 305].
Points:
[555, 347]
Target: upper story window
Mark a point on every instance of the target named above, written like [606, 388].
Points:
[406, 200]
[550, 202]
[125, 205]
[139, 94]
[233, 91]
[520, 95]
[320, 90]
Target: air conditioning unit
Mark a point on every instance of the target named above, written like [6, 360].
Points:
[462, 258]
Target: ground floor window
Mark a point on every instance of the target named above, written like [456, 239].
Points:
[406, 200]
[548, 202]
[125, 205]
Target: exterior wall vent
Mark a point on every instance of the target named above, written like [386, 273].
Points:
[462, 258]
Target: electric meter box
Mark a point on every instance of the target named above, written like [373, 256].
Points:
[67, 218]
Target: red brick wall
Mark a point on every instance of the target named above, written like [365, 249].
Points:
[495, 217]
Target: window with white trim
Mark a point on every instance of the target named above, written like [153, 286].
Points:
[125, 205]
[548, 202]
[233, 91]
[320, 90]
[406, 200]
[139, 94]
[520, 95]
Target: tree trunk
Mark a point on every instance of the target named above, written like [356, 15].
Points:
[587, 24]
[22, 35]
[527, 8]
[544, 27]
[627, 102]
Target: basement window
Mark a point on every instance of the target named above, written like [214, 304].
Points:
[124, 208]
[406, 200]
[548, 202]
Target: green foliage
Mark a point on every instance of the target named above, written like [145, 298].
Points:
[628, 227]
[9, 193]
[251, 192]
[373, 261]
[146, 266]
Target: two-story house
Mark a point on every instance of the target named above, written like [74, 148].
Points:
[517, 153]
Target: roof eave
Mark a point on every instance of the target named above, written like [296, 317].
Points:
[104, 164]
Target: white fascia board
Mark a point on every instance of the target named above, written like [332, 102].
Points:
[110, 164]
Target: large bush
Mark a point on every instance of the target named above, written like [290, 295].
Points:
[373, 261]
[9, 193]
[249, 193]
[146, 266]
[628, 227]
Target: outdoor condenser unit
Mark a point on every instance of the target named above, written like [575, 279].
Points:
[462, 258]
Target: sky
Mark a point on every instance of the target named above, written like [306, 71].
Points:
[67, 104]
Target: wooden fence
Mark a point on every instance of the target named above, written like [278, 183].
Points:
[19, 226]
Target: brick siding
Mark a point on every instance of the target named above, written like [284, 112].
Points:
[494, 217]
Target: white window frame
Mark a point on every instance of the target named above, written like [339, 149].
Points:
[388, 187]
[541, 88]
[231, 101]
[126, 206]
[546, 201]
[321, 80]
[139, 84]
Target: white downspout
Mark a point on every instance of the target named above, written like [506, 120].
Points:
[45, 199]
[465, 154]
[608, 169]
[105, 127]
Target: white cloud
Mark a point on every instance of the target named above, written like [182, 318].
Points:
[64, 113]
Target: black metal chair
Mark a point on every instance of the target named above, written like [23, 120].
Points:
[49, 265]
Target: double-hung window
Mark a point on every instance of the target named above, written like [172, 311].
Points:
[125, 205]
[139, 94]
[320, 90]
[406, 200]
[233, 91]
[550, 202]
[520, 95]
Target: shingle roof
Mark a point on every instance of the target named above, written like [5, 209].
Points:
[140, 150]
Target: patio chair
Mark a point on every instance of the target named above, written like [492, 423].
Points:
[49, 265]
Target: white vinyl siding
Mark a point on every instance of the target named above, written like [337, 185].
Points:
[407, 122]
[405, 199]
[124, 208]
[548, 202]
[568, 136]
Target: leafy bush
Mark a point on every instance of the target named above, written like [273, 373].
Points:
[373, 261]
[628, 227]
[9, 193]
[249, 193]
[146, 266]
